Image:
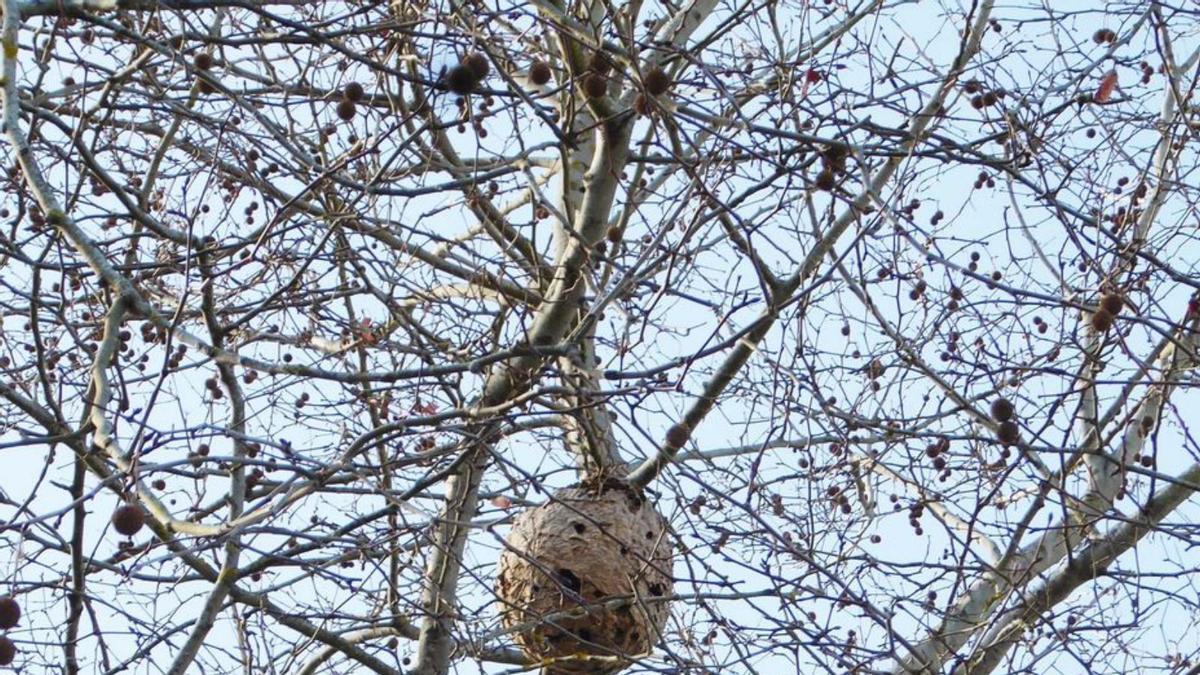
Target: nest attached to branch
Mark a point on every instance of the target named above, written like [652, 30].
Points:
[589, 573]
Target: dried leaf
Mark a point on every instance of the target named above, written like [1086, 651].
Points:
[1107, 86]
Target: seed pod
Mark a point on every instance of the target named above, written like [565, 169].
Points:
[1008, 433]
[595, 85]
[599, 63]
[461, 80]
[643, 106]
[128, 520]
[202, 61]
[539, 72]
[1113, 303]
[1002, 410]
[346, 110]
[656, 82]
[825, 180]
[1102, 320]
[353, 92]
[479, 65]
[10, 612]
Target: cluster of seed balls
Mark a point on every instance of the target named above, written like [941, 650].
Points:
[351, 95]
[1007, 430]
[595, 82]
[655, 83]
[10, 614]
[982, 97]
[833, 162]
[127, 520]
[466, 77]
[1110, 306]
[203, 62]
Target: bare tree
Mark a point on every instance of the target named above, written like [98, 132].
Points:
[304, 303]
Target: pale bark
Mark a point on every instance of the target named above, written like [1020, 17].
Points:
[973, 611]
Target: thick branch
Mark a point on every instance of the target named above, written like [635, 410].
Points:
[1091, 562]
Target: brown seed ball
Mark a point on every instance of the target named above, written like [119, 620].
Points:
[595, 85]
[656, 82]
[128, 520]
[8, 651]
[614, 234]
[643, 106]
[346, 110]
[834, 152]
[479, 65]
[10, 612]
[677, 436]
[825, 180]
[1002, 410]
[353, 92]
[461, 80]
[1104, 35]
[1102, 320]
[202, 61]
[1008, 433]
[1113, 303]
[539, 72]
[599, 63]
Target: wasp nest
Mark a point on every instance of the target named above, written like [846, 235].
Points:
[587, 574]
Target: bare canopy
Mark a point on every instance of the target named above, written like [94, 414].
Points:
[848, 336]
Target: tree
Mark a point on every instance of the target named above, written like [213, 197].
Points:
[303, 303]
